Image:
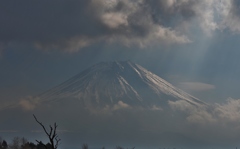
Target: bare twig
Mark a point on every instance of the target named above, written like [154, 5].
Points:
[52, 134]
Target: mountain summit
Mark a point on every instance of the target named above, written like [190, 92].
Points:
[110, 83]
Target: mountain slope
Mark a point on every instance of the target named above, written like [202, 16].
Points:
[107, 83]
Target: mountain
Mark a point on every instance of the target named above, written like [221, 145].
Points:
[111, 103]
[112, 83]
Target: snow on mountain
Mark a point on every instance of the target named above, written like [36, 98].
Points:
[112, 83]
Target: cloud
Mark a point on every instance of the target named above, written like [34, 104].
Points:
[108, 109]
[156, 108]
[7, 105]
[114, 20]
[231, 16]
[120, 105]
[196, 86]
[181, 105]
[8, 131]
[197, 125]
[195, 114]
[29, 103]
[226, 114]
[71, 25]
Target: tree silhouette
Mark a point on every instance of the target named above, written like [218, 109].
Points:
[15, 143]
[4, 144]
[84, 146]
[52, 135]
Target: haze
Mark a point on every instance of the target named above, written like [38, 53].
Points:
[193, 44]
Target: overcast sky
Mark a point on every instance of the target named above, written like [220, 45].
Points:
[193, 44]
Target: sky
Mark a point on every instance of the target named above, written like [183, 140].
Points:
[193, 44]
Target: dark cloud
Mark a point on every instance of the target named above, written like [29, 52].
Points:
[47, 23]
[235, 7]
[74, 24]
[164, 10]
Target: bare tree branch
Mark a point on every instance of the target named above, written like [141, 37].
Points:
[52, 134]
[41, 125]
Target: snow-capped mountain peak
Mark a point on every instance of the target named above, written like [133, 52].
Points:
[107, 83]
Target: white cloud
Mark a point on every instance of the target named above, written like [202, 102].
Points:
[218, 114]
[229, 11]
[169, 36]
[205, 14]
[196, 86]
[120, 105]
[209, 15]
[181, 105]
[29, 103]
[114, 20]
[201, 117]
[195, 114]
[156, 108]
[228, 112]
[215, 15]
[233, 23]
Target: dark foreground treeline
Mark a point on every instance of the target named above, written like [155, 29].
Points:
[23, 143]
